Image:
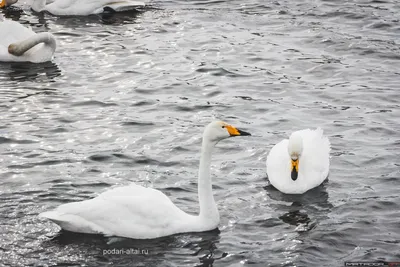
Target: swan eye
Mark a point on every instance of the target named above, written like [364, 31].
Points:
[223, 126]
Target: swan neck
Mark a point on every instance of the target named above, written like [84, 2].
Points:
[208, 208]
[18, 49]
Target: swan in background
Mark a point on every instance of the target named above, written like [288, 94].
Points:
[6, 3]
[84, 7]
[138, 212]
[21, 44]
[296, 165]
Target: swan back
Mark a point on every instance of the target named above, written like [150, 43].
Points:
[11, 32]
[83, 7]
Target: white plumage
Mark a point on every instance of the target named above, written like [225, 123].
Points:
[132, 211]
[137, 212]
[26, 45]
[312, 149]
[83, 7]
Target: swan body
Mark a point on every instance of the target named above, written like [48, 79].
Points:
[21, 44]
[300, 163]
[84, 7]
[138, 212]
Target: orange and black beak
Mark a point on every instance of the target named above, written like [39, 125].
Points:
[295, 169]
[235, 132]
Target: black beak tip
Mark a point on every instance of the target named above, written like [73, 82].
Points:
[243, 133]
[294, 175]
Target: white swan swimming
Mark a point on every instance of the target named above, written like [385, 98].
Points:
[20, 44]
[83, 7]
[142, 213]
[296, 165]
[6, 3]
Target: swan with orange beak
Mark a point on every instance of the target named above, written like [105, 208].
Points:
[138, 212]
[300, 163]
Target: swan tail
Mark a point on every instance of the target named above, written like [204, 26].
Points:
[71, 222]
[51, 215]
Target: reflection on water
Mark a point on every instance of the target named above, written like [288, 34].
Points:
[314, 201]
[25, 71]
[119, 18]
[141, 91]
[12, 12]
[295, 218]
[153, 251]
[209, 258]
[109, 18]
[317, 195]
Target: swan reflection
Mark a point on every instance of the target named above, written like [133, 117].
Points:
[24, 71]
[150, 252]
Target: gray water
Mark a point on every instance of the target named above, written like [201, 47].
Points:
[126, 99]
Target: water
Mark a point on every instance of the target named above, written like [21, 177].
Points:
[126, 99]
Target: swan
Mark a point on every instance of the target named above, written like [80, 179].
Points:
[21, 44]
[6, 3]
[138, 212]
[296, 165]
[83, 7]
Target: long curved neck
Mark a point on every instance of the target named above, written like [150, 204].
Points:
[18, 49]
[208, 208]
[38, 5]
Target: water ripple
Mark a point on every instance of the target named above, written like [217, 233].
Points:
[126, 97]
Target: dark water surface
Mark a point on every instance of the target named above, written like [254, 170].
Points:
[126, 99]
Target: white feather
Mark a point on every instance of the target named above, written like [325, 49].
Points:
[83, 7]
[41, 47]
[131, 211]
[137, 212]
[313, 163]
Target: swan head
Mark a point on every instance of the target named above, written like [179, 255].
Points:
[295, 148]
[219, 130]
[5, 3]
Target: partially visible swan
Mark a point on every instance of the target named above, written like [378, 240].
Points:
[21, 44]
[84, 7]
[6, 3]
[142, 213]
[296, 165]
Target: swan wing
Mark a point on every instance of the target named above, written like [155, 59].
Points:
[278, 168]
[133, 211]
[87, 7]
[315, 155]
